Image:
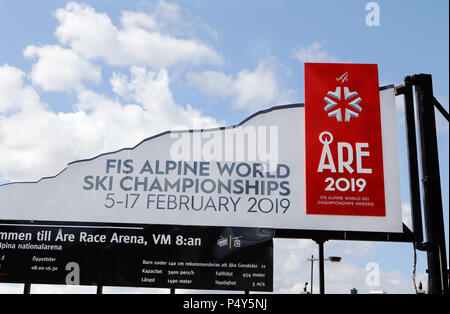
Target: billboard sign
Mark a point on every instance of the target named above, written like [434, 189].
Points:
[344, 159]
[137, 256]
[303, 167]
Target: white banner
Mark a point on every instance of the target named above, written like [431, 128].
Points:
[251, 175]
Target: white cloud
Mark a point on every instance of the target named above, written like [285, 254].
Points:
[173, 20]
[212, 83]
[59, 69]
[168, 14]
[313, 53]
[144, 86]
[138, 41]
[14, 96]
[36, 141]
[131, 19]
[151, 90]
[249, 90]
[40, 142]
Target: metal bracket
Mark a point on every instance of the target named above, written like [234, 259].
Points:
[425, 246]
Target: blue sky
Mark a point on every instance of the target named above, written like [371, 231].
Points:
[228, 44]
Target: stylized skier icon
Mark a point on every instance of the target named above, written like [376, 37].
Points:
[343, 77]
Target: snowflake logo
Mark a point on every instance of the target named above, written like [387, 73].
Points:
[349, 106]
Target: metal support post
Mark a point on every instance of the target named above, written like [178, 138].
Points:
[432, 197]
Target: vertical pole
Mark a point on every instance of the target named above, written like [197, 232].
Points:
[27, 288]
[414, 185]
[99, 289]
[321, 267]
[312, 272]
[432, 199]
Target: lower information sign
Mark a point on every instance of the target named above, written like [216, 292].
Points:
[137, 256]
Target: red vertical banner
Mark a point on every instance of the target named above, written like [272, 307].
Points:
[344, 155]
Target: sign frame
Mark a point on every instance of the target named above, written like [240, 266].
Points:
[405, 236]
